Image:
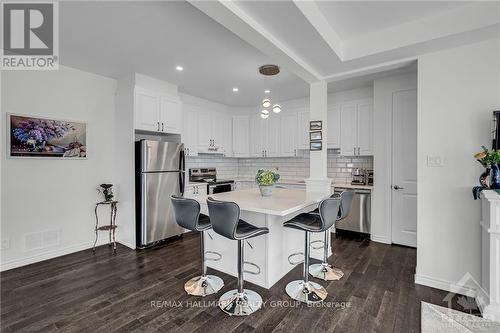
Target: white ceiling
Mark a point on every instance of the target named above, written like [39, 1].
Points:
[353, 18]
[115, 39]
[221, 43]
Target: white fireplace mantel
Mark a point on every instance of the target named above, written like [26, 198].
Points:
[488, 298]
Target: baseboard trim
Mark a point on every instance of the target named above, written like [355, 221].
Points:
[4, 266]
[445, 285]
[380, 239]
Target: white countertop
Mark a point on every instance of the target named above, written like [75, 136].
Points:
[303, 182]
[283, 201]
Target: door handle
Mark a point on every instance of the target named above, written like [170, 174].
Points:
[396, 187]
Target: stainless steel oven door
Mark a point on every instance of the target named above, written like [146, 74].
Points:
[220, 188]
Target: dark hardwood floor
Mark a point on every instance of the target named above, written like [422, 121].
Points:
[143, 292]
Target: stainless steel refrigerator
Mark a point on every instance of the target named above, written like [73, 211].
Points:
[160, 172]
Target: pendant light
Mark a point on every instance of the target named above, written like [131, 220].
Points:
[276, 108]
[266, 102]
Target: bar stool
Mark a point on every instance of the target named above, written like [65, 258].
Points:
[187, 214]
[325, 271]
[305, 290]
[225, 217]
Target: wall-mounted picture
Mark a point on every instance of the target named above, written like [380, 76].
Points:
[32, 136]
[316, 125]
[315, 146]
[315, 136]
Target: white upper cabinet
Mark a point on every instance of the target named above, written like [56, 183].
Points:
[224, 135]
[157, 112]
[365, 128]
[288, 135]
[272, 147]
[333, 120]
[204, 131]
[190, 131]
[214, 133]
[258, 136]
[147, 110]
[241, 136]
[356, 132]
[170, 115]
[303, 129]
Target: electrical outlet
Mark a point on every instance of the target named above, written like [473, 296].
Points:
[435, 161]
[5, 245]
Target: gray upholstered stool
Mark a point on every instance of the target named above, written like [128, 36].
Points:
[324, 270]
[305, 290]
[187, 214]
[225, 217]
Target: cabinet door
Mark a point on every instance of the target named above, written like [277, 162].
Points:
[273, 129]
[225, 131]
[217, 132]
[365, 128]
[204, 130]
[147, 110]
[190, 131]
[241, 136]
[257, 136]
[348, 129]
[288, 135]
[170, 115]
[333, 120]
[303, 129]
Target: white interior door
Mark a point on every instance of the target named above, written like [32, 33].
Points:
[404, 168]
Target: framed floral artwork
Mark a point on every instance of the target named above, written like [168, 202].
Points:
[33, 136]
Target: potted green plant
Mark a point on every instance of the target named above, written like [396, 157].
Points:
[266, 180]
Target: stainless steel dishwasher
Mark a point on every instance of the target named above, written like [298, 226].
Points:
[359, 218]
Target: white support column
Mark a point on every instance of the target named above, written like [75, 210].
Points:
[318, 180]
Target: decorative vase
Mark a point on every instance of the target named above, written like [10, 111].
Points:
[483, 179]
[266, 190]
[495, 177]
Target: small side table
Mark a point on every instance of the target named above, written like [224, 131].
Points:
[108, 227]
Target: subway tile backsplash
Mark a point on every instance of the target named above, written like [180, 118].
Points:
[339, 167]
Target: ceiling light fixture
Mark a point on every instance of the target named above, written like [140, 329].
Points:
[267, 91]
[264, 111]
[235, 89]
[276, 108]
[264, 116]
[266, 102]
[179, 68]
[269, 70]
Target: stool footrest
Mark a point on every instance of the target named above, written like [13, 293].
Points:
[319, 241]
[294, 255]
[217, 255]
[254, 265]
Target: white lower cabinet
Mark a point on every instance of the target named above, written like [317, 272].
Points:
[195, 190]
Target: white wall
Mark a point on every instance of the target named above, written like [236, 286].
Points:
[48, 194]
[383, 90]
[457, 91]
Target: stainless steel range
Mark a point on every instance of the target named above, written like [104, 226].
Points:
[209, 176]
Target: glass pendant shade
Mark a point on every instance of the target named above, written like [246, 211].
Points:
[266, 103]
[276, 108]
[264, 115]
[264, 112]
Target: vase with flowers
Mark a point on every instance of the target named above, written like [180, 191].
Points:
[490, 160]
[266, 180]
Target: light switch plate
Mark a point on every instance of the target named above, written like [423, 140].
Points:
[5, 244]
[435, 161]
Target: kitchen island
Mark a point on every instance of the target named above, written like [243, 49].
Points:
[269, 252]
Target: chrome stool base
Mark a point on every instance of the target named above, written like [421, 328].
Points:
[236, 304]
[325, 272]
[306, 292]
[203, 285]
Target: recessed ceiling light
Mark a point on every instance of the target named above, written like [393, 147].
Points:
[267, 91]
[235, 89]
[179, 68]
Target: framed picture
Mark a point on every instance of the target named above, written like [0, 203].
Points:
[315, 136]
[316, 125]
[34, 136]
[317, 145]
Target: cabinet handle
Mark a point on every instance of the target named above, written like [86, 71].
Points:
[162, 127]
[158, 123]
